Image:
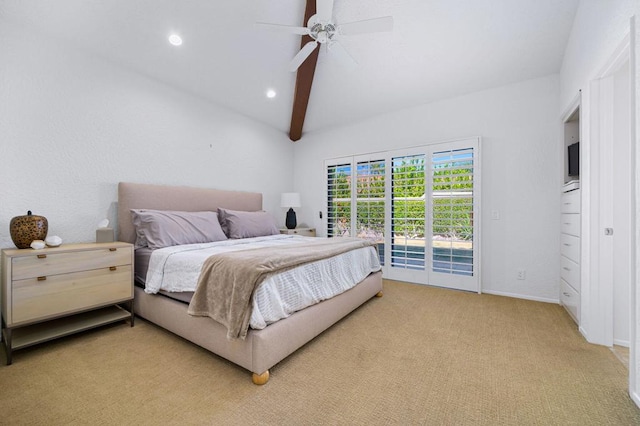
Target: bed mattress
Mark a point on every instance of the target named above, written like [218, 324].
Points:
[174, 271]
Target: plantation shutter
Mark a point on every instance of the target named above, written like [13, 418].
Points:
[420, 205]
[339, 200]
[408, 212]
[370, 202]
[452, 211]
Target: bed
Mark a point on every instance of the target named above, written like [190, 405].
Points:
[260, 349]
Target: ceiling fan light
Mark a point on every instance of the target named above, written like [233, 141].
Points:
[175, 39]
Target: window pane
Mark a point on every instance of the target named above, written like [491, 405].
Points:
[452, 216]
[408, 212]
[339, 200]
[370, 203]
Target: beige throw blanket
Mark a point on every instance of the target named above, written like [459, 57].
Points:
[227, 281]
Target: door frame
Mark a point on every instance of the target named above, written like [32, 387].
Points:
[597, 288]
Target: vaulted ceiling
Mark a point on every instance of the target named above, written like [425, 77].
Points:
[438, 49]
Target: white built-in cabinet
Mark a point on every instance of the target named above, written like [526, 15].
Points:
[570, 252]
[570, 216]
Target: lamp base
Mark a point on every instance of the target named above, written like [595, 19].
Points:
[291, 221]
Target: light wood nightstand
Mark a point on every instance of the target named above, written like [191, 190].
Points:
[58, 291]
[305, 232]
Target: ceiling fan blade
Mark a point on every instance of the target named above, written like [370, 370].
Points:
[342, 55]
[374, 25]
[284, 28]
[324, 10]
[302, 55]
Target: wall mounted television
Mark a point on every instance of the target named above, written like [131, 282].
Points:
[573, 158]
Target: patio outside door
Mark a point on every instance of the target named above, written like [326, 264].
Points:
[421, 205]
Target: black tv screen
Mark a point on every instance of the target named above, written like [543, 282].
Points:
[574, 159]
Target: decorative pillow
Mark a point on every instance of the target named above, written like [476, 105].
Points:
[163, 228]
[239, 224]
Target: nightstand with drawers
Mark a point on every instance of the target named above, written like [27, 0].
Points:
[305, 232]
[58, 291]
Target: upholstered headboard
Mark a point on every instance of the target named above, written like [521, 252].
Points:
[183, 198]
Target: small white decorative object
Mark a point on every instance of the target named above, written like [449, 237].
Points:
[53, 241]
[103, 223]
[37, 244]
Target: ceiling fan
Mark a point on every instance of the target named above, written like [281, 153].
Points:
[321, 30]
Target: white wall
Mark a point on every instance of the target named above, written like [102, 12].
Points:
[73, 125]
[598, 28]
[521, 173]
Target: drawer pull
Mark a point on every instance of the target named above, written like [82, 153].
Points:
[566, 269]
[42, 256]
[567, 223]
[112, 249]
[566, 294]
[112, 268]
[42, 278]
[566, 244]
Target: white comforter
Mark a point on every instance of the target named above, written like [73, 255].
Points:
[177, 269]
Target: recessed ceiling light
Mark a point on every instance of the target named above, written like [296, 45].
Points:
[271, 93]
[175, 39]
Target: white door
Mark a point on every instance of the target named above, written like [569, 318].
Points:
[610, 233]
[434, 215]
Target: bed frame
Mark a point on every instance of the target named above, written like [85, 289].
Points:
[261, 349]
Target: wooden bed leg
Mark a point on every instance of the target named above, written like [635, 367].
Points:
[379, 294]
[260, 379]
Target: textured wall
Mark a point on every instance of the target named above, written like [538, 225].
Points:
[598, 28]
[521, 173]
[73, 125]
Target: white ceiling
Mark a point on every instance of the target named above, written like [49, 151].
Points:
[438, 49]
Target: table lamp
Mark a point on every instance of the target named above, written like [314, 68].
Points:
[290, 200]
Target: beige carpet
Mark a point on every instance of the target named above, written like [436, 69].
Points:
[418, 355]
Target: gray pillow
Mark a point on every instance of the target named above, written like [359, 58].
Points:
[240, 224]
[163, 228]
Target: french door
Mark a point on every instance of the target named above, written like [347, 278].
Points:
[421, 206]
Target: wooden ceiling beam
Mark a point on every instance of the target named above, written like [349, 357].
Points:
[304, 80]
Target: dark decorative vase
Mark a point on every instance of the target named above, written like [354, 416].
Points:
[25, 229]
[290, 221]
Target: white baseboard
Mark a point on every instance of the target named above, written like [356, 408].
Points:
[634, 396]
[624, 343]
[583, 332]
[522, 296]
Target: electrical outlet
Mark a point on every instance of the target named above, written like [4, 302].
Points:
[495, 215]
[522, 274]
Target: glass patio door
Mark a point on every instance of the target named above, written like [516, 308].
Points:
[454, 184]
[421, 206]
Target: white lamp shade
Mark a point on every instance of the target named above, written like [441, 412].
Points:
[290, 199]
